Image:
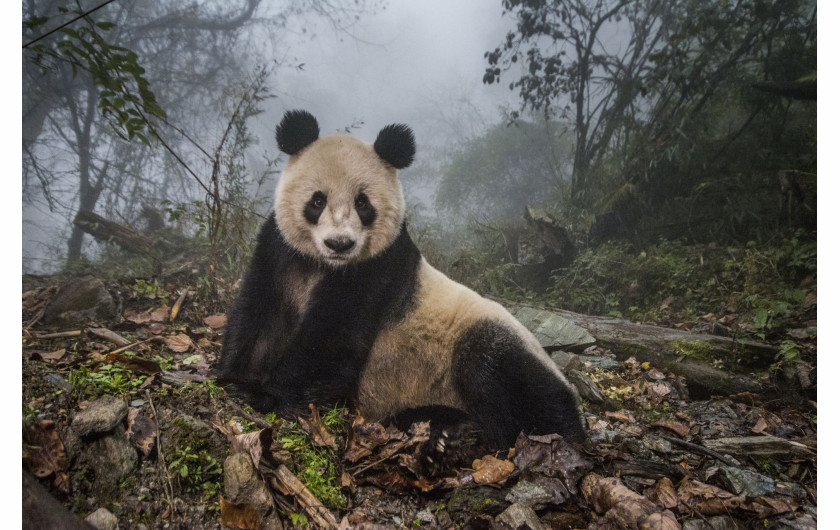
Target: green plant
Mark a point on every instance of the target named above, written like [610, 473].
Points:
[298, 519]
[197, 471]
[211, 387]
[105, 379]
[142, 288]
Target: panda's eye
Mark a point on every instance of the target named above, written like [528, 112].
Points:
[318, 200]
[314, 207]
[366, 211]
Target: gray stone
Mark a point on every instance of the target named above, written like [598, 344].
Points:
[566, 361]
[102, 519]
[111, 458]
[80, 300]
[101, 416]
[586, 387]
[518, 516]
[656, 444]
[746, 483]
[550, 329]
[58, 381]
[599, 361]
[529, 494]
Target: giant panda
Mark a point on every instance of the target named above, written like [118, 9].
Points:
[338, 306]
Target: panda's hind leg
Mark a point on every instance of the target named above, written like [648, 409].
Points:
[507, 389]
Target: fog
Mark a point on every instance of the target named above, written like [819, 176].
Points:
[419, 63]
[162, 114]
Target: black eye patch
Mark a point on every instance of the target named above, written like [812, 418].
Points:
[312, 210]
[366, 211]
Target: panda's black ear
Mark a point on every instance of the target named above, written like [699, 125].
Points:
[297, 130]
[395, 145]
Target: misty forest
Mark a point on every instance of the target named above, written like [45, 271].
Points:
[634, 180]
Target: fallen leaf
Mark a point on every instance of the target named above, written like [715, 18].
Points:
[620, 416]
[317, 430]
[490, 470]
[178, 343]
[160, 314]
[135, 364]
[609, 494]
[760, 426]
[239, 516]
[551, 456]
[46, 454]
[664, 495]
[671, 425]
[132, 315]
[52, 357]
[363, 439]
[142, 431]
[216, 321]
[255, 444]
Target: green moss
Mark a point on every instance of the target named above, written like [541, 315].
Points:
[695, 349]
[316, 467]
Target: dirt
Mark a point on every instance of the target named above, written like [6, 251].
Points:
[649, 462]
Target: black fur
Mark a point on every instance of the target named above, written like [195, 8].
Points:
[507, 390]
[297, 130]
[280, 360]
[395, 145]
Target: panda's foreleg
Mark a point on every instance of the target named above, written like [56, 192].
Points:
[508, 389]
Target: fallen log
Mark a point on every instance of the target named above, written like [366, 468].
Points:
[682, 352]
[110, 232]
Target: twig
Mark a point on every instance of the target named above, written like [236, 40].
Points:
[110, 336]
[699, 449]
[171, 491]
[177, 307]
[250, 417]
[60, 335]
[133, 344]
[290, 485]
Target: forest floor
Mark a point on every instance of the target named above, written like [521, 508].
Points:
[125, 425]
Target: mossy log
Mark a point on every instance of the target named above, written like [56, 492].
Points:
[683, 353]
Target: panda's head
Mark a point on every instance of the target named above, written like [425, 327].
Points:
[338, 199]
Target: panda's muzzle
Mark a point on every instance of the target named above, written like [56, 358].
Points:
[339, 245]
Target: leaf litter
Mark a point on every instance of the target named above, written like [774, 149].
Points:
[657, 459]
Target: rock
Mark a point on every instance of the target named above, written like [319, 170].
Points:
[758, 445]
[529, 494]
[791, 489]
[425, 516]
[552, 330]
[518, 516]
[482, 500]
[80, 300]
[111, 458]
[599, 361]
[101, 416]
[586, 387]
[102, 519]
[746, 483]
[244, 486]
[566, 361]
[58, 381]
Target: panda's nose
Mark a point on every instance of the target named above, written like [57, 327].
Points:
[339, 244]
